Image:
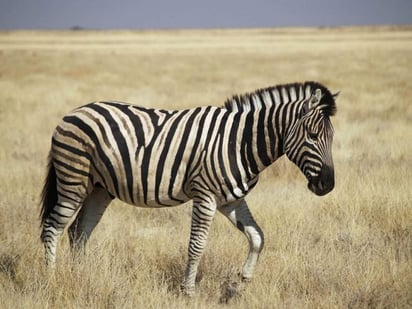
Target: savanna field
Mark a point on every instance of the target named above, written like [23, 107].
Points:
[349, 249]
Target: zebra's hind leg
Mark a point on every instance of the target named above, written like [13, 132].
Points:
[88, 217]
[239, 214]
[54, 224]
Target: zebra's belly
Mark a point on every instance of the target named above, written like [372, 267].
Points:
[152, 191]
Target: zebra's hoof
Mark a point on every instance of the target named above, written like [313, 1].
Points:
[246, 279]
[187, 291]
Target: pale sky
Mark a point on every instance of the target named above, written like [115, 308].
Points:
[156, 14]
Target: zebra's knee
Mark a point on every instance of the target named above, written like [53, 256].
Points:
[256, 239]
[50, 231]
[195, 250]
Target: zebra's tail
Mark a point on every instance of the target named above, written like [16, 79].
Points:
[49, 193]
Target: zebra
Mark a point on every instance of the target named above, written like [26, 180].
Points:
[161, 158]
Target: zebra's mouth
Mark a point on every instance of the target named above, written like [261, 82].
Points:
[319, 188]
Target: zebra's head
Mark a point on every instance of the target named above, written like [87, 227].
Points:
[309, 141]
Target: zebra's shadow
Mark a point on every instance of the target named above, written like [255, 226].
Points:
[8, 265]
[226, 285]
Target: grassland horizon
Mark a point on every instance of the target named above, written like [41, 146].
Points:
[349, 249]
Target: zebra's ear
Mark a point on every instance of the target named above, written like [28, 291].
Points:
[312, 102]
[315, 98]
[335, 95]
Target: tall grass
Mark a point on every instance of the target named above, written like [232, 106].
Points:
[351, 248]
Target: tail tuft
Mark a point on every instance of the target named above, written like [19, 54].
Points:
[49, 193]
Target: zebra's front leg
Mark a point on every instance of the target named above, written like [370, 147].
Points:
[203, 212]
[239, 214]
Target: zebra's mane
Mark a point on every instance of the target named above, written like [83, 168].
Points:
[246, 101]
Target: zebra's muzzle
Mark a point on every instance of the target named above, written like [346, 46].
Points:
[324, 182]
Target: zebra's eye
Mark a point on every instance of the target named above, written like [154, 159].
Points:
[313, 135]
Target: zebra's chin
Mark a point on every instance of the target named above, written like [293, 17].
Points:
[319, 189]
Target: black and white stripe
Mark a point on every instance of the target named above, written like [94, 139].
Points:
[161, 158]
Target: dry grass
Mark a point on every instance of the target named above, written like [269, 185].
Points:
[350, 249]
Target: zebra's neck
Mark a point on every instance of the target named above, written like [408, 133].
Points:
[265, 117]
